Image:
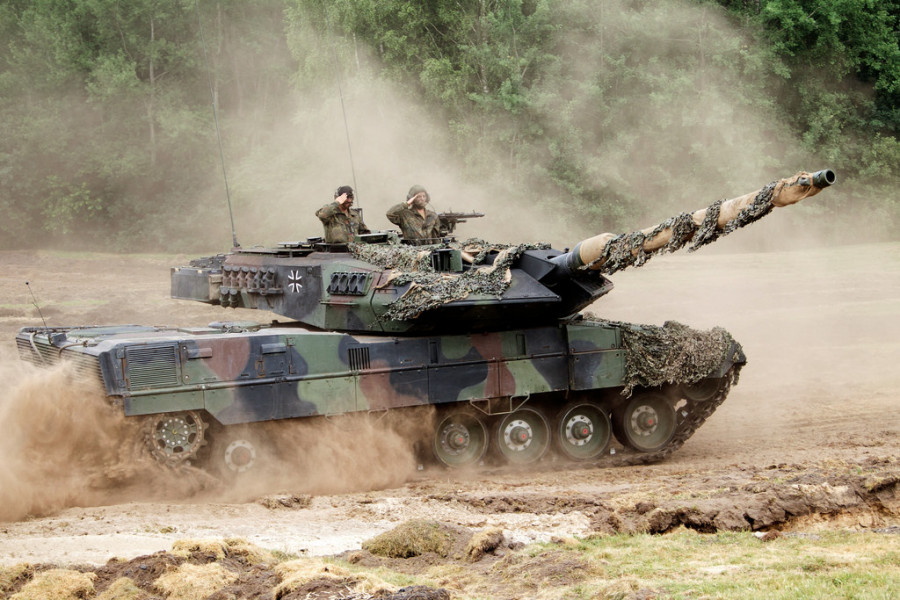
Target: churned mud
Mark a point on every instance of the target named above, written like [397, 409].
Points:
[807, 440]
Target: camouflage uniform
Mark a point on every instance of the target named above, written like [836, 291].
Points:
[413, 225]
[340, 227]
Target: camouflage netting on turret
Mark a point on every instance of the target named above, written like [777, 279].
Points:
[400, 258]
[430, 288]
[627, 249]
[673, 353]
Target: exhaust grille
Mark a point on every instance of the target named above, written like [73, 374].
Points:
[85, 364]
[151, 366]
[44, 355]
[358, 358]
[348, 284]
[39, 354]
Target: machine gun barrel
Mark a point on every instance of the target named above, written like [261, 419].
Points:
[450, 218]
[610, 252]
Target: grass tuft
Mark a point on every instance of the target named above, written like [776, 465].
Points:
[409, 539]
[194, 582]
[251, 553]
[122, 588]
[58, 584]
[189, 548]
[13, 574]
[484, 542]
[296, 574]
[219, 549]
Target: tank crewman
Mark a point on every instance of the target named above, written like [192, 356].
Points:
[418, 223]
[342, 223]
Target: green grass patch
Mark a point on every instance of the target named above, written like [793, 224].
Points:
[686, 564]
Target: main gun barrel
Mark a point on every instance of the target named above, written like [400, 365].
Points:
[609, 252]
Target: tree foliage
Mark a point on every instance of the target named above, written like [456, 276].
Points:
[108, 137]
[594, 108]
[838, 62]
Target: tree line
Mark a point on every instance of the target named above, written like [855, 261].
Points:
[599, 108]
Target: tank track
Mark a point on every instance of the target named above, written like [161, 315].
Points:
[691, 416]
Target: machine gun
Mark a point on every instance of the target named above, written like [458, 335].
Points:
[450, 218]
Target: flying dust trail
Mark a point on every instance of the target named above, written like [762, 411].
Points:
[65, 444]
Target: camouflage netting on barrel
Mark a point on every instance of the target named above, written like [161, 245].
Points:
[673, 353]
[629, 249]
[708, 232]
[430, 289]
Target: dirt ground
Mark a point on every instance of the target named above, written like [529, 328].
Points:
[807, 440]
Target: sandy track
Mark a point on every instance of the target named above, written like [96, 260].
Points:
[812, 423]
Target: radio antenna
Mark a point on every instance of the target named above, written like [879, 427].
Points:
[34, 301]
[337, 74]
[212, 97]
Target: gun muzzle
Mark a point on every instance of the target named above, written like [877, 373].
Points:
[819, 179]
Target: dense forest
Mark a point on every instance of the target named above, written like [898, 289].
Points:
[576, 115]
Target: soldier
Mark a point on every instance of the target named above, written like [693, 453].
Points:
[342, 223]
[418, 223]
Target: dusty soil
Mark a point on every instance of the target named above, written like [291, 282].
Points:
[807, 440]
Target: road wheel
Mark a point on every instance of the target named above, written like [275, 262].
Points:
[583, 431]
[645, 422]
[523, 436]
[460, 438]
[236, 450]
[175, 438]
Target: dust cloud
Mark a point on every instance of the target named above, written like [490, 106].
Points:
[820, 329]
[58, 439]
[330, 455]
[65, 444]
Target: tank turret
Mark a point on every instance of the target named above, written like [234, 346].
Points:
[381, 285]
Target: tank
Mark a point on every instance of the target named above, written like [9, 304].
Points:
[487, 343]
